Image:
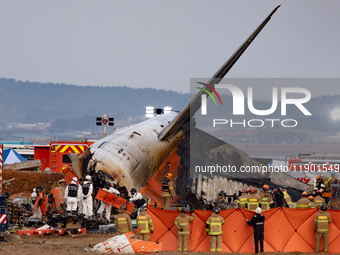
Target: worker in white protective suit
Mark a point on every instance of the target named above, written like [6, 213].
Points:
[72, 195]
[37, 192]
[80, 201]
[87, 189]
[137, 199]
[34, 196]
[105, 206]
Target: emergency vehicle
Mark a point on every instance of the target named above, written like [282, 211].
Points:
[55, 156]
[307, 166]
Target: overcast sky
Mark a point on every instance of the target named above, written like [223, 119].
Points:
[162, 44]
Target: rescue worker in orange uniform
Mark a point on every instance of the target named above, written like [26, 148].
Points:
[182, 223]
[321, 227]
[303, 203]
[168, 191]
[253, 200]
[220, 199]
[258, 224]
[312, 204]
[327, 181]
[334, 176]
[287, 198]
[144, 222]
[267, 200]
[123, 222]
[319, 200]
[242, 200]
[214, 229]
[264, 191]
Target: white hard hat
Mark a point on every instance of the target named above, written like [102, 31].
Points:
[34, 189]
[87, 177]
[258, 210]
[74, 179]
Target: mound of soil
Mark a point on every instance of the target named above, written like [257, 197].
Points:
[25, 181]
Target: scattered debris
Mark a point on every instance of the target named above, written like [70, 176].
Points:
[4, 182]
[33, 165]
[123, 244]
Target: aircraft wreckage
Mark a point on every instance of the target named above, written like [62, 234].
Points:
[132, 155]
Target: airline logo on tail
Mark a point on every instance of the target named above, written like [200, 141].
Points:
[204, 97]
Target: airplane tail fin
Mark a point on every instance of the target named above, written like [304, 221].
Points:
[190, 109]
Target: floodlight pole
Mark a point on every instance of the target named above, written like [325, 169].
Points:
[105, 123]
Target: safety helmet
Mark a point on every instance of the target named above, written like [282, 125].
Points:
[184, 210]
[265, 187]
[216, 210]
[274, 190]
[253, 190]
[88, 177]
[133, 190]
[323, 207]
[122, 207]
[222, 192]
[258, 210]
[319, 192]
[81, 179]
[142, 208]
[107, 184]
[283, 190]
[75, 179]
[304, 194]
[311, 198]
[269, 191]
[168, 175]
[245, 191]
[39, 187]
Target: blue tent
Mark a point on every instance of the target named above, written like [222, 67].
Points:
[11, 157]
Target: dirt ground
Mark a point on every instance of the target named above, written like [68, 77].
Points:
[61, 245]
[51, 245]
[25, 181]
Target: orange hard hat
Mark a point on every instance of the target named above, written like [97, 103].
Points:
[168, 175]
[245, 191]
[319, 191]
[310, 197]
[304, 193]
[265, 187]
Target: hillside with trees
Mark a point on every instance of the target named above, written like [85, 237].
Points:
[65, 105]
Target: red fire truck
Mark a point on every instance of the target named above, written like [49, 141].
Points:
[55, 156]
